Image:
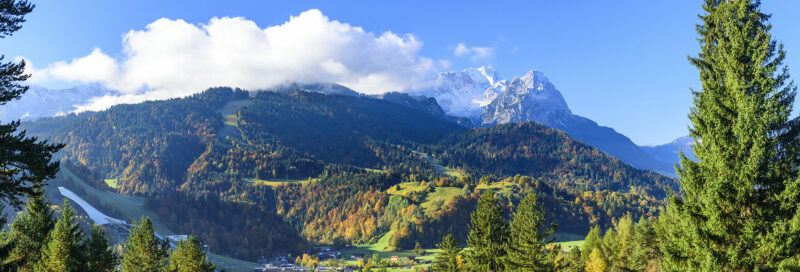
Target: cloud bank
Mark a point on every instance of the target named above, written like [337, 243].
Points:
[474, 52]
[173, 58]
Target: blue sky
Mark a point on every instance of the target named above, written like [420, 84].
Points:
[620, 63]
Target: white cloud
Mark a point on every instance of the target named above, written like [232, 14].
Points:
[476, 53]
[173, 58]
[461, 50]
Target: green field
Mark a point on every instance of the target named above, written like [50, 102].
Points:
[405, 188]
[279, 182]
[443, 194]
[380, 248]
[112, 182]
[438, 167]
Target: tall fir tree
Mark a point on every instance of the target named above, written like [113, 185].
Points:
[143, 251]
[24, 161]
[99, 257]
[449, 259]
[64, 251]
[28, 234]
[189, 257]
[593, 241]
[645, 255]
[739, 202]
[527, 244]
[488, 234]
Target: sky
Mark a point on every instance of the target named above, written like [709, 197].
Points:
[620, 63]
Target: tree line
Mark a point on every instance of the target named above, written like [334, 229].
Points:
[38, 240]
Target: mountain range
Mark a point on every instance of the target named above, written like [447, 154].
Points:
[472, 97]
[481, 95]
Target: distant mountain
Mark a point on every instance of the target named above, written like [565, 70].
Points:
[482, 96]
[424, 104]
[669, 152]
[465, 93]
[472, 97]
[40, 102]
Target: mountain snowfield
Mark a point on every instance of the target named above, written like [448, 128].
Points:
[479, 95]
[484, 97]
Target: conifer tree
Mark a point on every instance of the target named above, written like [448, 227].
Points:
[28, 233]
[64, 250]
[739, 202]
[449, 259]
[99, 257]
[189, 257]
[24, 161]
[593, 240]
[526, 246]
[143, 251]
[488, 234]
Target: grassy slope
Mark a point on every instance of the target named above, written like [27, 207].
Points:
[229, 133]
[279, 182]
[566, 240]
[437, 165]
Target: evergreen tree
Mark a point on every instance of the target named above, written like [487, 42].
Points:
[620, 245]
[593, 240]
[24, 161]
[28, 233]
[449, 259]
[738, 209]
[526, 246]
[143, 251]
[64, 250]
[488, 234]
[645, 255]
[572, 262]
[189, 257]
[99, 256]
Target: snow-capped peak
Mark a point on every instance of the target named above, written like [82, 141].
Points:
[484, 75]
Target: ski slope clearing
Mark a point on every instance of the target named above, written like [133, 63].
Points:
[96, 216]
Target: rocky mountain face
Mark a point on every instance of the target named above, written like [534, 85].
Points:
[482, 96]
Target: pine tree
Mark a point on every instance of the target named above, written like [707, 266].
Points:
[64, 250]
[621, 244]
[28, 233]
[526, 246]
[24, 161]
[189, 257]
[99, 257]
[143, 251]
[449, 259]
[488, 234]
[645, 255]
[739, 202]
[593, 241]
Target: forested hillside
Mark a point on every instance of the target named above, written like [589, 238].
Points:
[339, 169]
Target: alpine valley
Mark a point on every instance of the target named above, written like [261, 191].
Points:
[278, 171]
